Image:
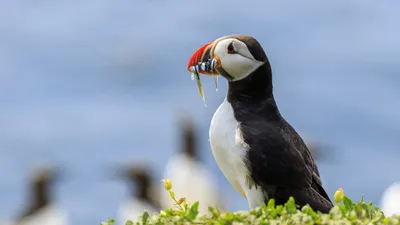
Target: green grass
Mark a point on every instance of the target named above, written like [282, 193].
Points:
[344, 212]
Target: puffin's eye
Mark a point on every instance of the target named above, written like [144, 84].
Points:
[231, 49]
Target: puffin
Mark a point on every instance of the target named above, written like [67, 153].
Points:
[257, 150]
[141, 197]
[190, 177]
[41, 209]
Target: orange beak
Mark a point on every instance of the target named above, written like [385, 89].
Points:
[202, 56]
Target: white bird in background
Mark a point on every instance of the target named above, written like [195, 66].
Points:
[390, 202]
[41, 210]
[190, 178]
[142, 198]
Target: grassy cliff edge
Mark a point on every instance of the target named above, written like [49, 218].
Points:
[344, 212]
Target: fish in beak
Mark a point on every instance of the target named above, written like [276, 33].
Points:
[202, 62]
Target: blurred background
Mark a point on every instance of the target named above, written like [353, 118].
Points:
[87, 85]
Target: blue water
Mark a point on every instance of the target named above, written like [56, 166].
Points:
[92, 83]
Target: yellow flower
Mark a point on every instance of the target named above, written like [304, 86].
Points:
[339, 195]
[167, 184]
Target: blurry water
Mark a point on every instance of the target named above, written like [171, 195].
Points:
[91, 83]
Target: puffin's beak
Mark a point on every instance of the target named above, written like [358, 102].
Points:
[202, 62]
[202, 59]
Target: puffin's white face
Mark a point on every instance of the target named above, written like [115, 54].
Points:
[234, 58]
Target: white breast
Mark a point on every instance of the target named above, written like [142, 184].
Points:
[50, 215]
[229, 150]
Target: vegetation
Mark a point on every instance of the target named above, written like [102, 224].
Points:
[344, 212]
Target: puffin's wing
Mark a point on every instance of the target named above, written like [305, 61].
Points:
[301, 146]
[302, 197]
[273, 158]
[279, 159]
[317, 185]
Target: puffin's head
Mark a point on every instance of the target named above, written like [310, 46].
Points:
[234, 57]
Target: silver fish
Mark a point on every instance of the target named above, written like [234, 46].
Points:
[216, 81]
[213, 63]
[208, 66]
[196, 74]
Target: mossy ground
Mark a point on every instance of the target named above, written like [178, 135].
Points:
[344, 212]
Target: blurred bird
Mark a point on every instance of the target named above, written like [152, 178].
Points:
[190, 178]
[258, 151]
[142, 194]
[390, 202]
[320, 151]
[41, 210]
